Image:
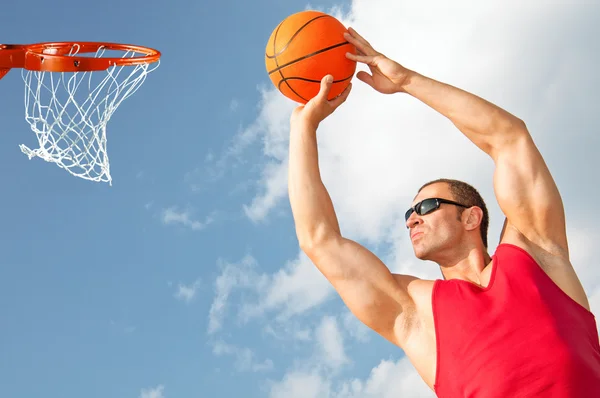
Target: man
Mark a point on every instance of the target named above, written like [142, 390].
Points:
[514, 324]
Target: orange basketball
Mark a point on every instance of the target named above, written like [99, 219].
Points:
[304, 48]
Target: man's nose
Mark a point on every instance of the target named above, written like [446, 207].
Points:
[413, 220]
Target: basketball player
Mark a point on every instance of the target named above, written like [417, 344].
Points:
[513, 324]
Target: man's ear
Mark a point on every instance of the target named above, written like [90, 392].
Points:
[472, 218]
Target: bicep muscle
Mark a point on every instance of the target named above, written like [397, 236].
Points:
[528, 195]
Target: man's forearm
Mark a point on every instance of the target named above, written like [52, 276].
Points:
[485, 124]
[312, 208]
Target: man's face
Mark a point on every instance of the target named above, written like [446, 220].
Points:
[439, 230]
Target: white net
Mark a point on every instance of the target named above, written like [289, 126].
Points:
[68, 112]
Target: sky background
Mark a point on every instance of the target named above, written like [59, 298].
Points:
[184, 279]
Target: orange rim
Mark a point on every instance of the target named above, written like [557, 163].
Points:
[54, 57]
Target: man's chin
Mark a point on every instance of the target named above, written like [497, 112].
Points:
[420, 253]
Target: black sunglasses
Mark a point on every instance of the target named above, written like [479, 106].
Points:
[429, 205]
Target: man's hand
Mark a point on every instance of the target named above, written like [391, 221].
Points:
[387, 76]
[319, 108]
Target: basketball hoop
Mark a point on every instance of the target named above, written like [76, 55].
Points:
[71, 91]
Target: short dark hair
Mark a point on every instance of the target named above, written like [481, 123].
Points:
[468, 196]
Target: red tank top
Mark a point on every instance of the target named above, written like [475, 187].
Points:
[522, 336]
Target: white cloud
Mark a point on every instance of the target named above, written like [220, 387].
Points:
[273, 117]
[122, 328]
[582, 246]
[293, 290]
[289, 331]
[330, 343]
[233, 276]
[594, 298]
[173, 215]
[245, 360]
[355, 328]
[275, 177]
[156, 392]
[187, 293]
[387, 380]
[301, 385]
[234, 104]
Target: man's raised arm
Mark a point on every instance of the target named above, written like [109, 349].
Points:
[364, 283]
[524, 186]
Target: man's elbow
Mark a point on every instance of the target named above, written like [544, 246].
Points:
[509, 134]
[315, 238]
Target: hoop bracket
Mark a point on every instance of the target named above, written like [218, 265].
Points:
[11, 56]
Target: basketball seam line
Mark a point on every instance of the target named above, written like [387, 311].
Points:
[314, 81]
[293, 36]
[285, 80]
[307, 56]
[279, 69]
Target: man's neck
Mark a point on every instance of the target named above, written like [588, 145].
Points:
[471, 266]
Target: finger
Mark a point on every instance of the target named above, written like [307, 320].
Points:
[365, 59]
[357, 35]
[365, 77]
[326, 83]
[355, 42]
[358, 41]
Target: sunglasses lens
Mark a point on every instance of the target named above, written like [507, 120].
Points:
[424, 207]
[427, 206]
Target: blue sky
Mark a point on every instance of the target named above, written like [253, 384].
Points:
[183, 278]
